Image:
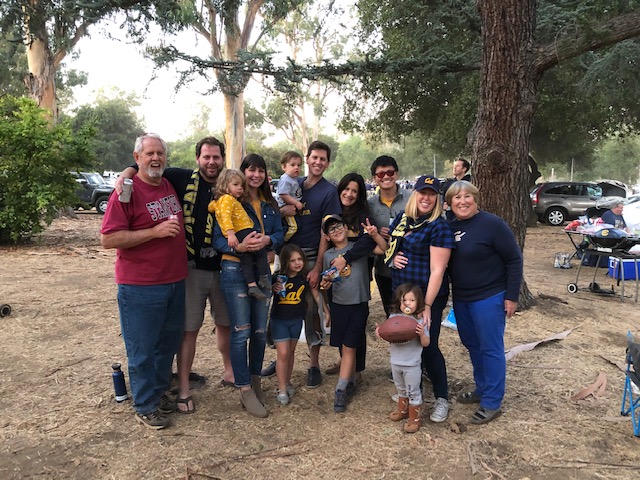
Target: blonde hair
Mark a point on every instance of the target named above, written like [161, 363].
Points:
[224, 180]
[462, 186]
[411, 208]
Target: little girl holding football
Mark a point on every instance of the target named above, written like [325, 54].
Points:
[406, 357]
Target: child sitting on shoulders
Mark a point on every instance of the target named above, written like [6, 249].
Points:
[406, 357]
[235, 223]
[287, 314]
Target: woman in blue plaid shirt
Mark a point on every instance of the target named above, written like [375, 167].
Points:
[420, 246]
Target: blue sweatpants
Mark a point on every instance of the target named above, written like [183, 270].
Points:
[481, 328]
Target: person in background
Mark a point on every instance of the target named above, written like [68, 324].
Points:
[151, 266]
[289, 191]
[461, 169]
[486, 272]
[195, 188]
[248, 314]
[614, 217]
[420, 244]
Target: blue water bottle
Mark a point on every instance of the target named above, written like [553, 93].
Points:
[119, 384]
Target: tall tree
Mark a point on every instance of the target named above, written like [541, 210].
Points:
[50, 29]
[228, 27]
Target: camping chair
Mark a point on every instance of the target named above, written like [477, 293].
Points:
[631, 395]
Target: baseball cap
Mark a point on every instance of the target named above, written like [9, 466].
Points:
[329, 220]
[427, 181]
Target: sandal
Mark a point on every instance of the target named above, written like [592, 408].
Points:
[227, 383]
[185, 401]
[485, 415]
[333, 369]
[468, 397]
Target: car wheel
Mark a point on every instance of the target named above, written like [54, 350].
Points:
[555, 216]
[101, 204]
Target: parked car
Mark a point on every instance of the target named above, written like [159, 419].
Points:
[92, 191]
[556, 202]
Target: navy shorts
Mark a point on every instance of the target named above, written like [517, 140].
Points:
[348, 324]
[285, 330]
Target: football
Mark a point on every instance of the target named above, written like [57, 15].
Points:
[398, 329]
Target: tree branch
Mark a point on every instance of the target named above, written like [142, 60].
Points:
[609, 33]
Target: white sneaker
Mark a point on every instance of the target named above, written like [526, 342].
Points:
[440, 411]
[291, 390]
[282, 398]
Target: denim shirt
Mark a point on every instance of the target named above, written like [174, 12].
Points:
[272, 226]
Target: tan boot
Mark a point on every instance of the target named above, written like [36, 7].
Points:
[402, 411]
[414, 422]
[252, 404]
[256, 384]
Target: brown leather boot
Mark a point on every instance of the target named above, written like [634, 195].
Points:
[402, 411]
[256, 384]
[414, 422]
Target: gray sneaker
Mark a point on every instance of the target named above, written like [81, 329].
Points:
[282, 398]
[153, 420]
[440, 411]
[291, 390]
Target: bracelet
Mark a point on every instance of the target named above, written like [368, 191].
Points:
[427, 305]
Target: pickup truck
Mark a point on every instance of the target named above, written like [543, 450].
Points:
[92, 191]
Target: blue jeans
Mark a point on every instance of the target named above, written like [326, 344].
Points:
[152, 321]
[248, 323]
[481, 328]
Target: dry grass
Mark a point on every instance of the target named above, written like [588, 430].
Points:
[59, 418]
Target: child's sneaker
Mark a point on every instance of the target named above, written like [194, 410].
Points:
[291, 390]
[340, 402]
[282, 398]
[256, 293]
[263, 282]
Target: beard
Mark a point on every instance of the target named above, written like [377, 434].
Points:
[154, 172]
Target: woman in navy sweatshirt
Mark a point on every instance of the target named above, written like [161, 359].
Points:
[486, 272]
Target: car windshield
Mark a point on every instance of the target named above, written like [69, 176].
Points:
[95, 179]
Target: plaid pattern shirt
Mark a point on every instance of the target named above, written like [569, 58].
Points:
[415, 246]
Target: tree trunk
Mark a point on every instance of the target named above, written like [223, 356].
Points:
[505, 114]
[234, 129]
[40, 81]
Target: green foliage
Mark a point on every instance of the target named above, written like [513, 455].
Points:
[115, 125]
[34, 159]
[619, 159]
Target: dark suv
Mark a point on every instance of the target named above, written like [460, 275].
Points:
[556, 202]
[93, 191]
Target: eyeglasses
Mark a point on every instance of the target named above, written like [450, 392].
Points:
[335, 228]
[386, 173]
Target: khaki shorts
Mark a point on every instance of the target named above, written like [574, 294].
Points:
[200, 286]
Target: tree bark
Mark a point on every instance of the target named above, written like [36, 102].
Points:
[234, 129]
[500, 137]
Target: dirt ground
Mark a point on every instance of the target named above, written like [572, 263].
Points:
[59, 419]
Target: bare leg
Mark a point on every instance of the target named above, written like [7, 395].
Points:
[314, 356]
[348, 364]
[223, 336]
[282, 364]
[185, 358]
[292, 357]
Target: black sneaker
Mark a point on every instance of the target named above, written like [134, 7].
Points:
[153, 420]
[269, 370]
[167, 405]
[340, 402]
[314, 377]
[390, 377]
[352, 388]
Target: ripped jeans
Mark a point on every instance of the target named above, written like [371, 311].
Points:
[248, 321]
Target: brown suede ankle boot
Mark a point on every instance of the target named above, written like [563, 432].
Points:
[402, 411]
[252, 404]
[256, 384]
[414, 422]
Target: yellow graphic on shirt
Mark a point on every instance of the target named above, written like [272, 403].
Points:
[293, 297]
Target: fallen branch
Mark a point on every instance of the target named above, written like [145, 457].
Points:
[620, 365]
[596, 389]
[513, 351]
[472, 462]
[547, 367]
[490, 470]
[595, 464]
[67, 365]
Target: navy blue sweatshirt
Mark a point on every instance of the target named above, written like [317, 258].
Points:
[487, 259]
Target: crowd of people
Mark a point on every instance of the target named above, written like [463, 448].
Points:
[186, 237]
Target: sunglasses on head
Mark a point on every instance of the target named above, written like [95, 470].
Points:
[386, 173]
